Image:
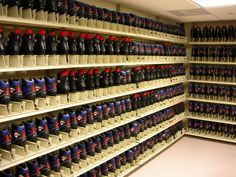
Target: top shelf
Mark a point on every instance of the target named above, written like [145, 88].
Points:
[156, 36]
[213, 43]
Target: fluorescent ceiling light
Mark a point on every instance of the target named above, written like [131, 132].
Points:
[214, 3]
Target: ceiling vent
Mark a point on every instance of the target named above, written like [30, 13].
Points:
[189, 12]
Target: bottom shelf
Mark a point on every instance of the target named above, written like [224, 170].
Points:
[211, 136]
[159, 148]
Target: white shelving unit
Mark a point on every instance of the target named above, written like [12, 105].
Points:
[210, 136]
[19, 69]
[210, 119]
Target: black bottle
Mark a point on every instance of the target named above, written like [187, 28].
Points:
[14, 43]
[51, 43]
[40, 43]
[51, 6]
[102, 45]
[89, 45]
[81, 44]
[89, 80]
[27, 4]
[125, 47]
[96, 77]
[39, 5]
[72, 81]
[81, 9]
[12, 3]
[62, 6]
[2, 45]
[72, 44]
[109, 46]
[88, 11]
[105, 78]
[97, 46]
[80, 80]
[117, 46]
[63, 43]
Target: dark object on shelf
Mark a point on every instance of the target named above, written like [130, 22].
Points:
[5, 92]
[18, 134]
[2, 44]
[111, 165]
[51, 42]
[40, 43]
[65, 157]
[12, 3]
[39, 5]
[40, 87]
[28, 88]
[6, 173]
[83, 152]
[53, 125]
[72, 44]
[51, 6]
[72, 81]
[81, 117]
[5, 139]
[62, 6]
[54, 161]
[31, 131]
[42, 128]
[27, 44]
[90, 147]
[51, 86]
[14, 43]
[62, 82]
[22, 170]
[80, 80]
[63, 43]
[27, 4]
[45, 168]
[104, 169]
[75, 153]
[34, 168]
[64, 122]
[90, 85]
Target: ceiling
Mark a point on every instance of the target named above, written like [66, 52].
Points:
[181, 10]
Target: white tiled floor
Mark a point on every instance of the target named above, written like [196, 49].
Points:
[192, 157]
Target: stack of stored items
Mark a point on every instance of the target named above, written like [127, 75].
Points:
[90, 12]
[213, 34]
[71, 101]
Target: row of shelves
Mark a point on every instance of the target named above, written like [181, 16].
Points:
[35, 63]
[212, 63]
[212, 82]
[214, 43]
[210, 136]
[211, 119]
[156, 130]
[81, 134]
[159, 148]
[150, 35]
[212, 101]
[77, 99]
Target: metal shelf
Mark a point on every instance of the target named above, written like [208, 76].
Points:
[213, 137]
[154, 154]
[180, 79]
[212, 101]
[212, 82]
[89, 135]
[214, 43]
[212, 63]
[167, 60]
[212, 119]
[62, 26]
[125, 149]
